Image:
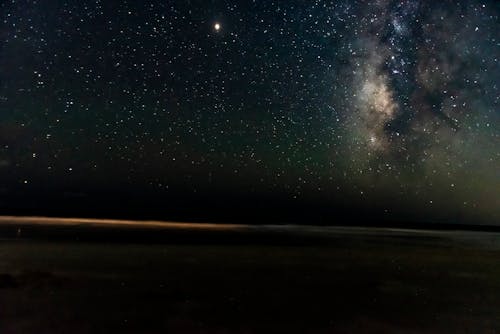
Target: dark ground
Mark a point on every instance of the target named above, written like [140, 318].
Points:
[115, 279]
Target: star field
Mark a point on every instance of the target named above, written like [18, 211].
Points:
[390, 106]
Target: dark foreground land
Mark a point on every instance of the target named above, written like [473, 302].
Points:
[87, 277]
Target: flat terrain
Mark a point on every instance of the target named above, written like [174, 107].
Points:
[88, 276]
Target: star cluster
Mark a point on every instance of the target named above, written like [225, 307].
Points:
[390, 105]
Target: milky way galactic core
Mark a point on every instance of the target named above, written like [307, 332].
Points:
[389, 106]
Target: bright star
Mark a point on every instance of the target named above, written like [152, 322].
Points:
[217, 27]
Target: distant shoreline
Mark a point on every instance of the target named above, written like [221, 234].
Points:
[165, 232]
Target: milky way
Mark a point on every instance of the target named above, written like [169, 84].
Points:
[387, 105]
[426, 101]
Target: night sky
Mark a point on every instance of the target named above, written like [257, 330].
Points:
[330, 111]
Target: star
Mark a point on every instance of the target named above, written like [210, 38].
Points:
[217, 26]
